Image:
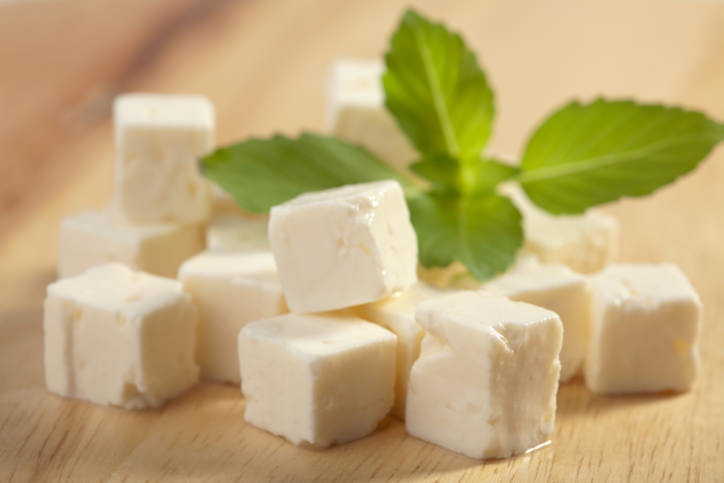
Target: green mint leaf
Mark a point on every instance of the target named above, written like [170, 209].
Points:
[436, 90]
[440, 170]
[489, 174]
[588, 154]
[261, 173]
[471, 178]
[483, 233]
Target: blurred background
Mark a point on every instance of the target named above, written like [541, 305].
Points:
[264, 65]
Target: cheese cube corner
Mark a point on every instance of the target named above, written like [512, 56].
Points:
[317, 380]
[343, 247]
[486, 380]
[559, 289]
[159, 139]
[356, 111]
[645, 330]
[230, 290]
[118, 337]
[94, 238]
[397, 314]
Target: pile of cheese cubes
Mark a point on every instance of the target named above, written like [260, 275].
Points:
[160, 200]
[318, 313]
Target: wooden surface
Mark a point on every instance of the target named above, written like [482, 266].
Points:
[264, 64]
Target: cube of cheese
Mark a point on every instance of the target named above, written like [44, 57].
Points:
[486, 380]
[556, 288]
[356, 111]
[397, 314]
[230, 290]
[115, 336]
[586, 243]
[645, 330]
[93, 238]
[344, 246]
[551, 286]
[317, 379]
[233, 233]
[159, 139]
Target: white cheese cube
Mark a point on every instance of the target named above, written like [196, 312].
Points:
[556, 288]
[230, 290]
[551, 286]
[114, 336]
[645, 330]
[234, 233]
[343, 247]
[397, 314]
[317, 379]
[93, 238]
[486, 380]
[586, 243]
[356, 111]
[159, 139]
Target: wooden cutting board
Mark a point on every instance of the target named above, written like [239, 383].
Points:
[264, 65]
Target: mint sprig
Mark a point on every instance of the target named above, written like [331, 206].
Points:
[453, 177]
[436, 90]
[261, 173]
[589, 154]
[484, 233]
[581, 156]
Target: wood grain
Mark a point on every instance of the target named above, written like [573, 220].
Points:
[264, 64]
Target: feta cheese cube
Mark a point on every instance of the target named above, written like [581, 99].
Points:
[645, 330]
[317, 379]
[158, 141]
[397, 314]
[93, 238]
[344, 246]
[556, 288]
[114, 336]
[486, 380]
[229, 232]
[551, 286]
[586, 243]
[356, 111]
[230, 290]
